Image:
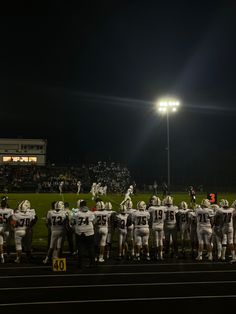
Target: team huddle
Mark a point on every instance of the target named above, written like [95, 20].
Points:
[156, 230]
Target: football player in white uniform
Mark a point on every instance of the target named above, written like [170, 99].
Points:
[58, 220]
[29, 235]
[121, 223]
[5, 216]
[83, 222]
[130, 228]
[234, 224]
[78, 186]
[204, 215]
[183, 226]
[226, 214]
[193, 231]
[22, 221]
[217, 232]
[61, 185]
[170, 225]
[140, 220]
[93, 190]
[128, 194]
[101, 229]
[157, 215]
[108, 207]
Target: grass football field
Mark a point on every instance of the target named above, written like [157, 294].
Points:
[42, 203]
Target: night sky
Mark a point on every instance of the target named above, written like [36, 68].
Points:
[86, 78]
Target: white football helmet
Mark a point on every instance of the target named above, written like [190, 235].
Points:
[141, 205]
[123, 208]
[100, 205]
[155, 201]
[205, 202]
[59, 205]
[168, 200]
[214, 207]
[224, 203]
[129, 203]
[183, 205]
[108, 205]
[234, 204]
[24, 206]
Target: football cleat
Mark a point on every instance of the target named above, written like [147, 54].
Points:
[17, 260]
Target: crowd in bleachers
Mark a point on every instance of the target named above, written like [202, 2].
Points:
[47, 178]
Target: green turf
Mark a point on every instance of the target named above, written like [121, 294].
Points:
[42, 203]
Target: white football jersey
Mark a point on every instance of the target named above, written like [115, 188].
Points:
[83, 222]
[204, 216]
[157, 214]
[140, 219]
[57, 219]
[23, 220]
[102, 218]
[5, 214]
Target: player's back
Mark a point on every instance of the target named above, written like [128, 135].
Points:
[204, 217]
[22, 219]
[157, 215]
[226, 216]
[170, 216]
[5, 214]
[57, 219]
[102, 218]
[140, 219]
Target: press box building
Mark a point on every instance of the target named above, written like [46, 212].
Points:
[23, 151]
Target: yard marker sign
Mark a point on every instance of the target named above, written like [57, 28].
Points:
[59, 264]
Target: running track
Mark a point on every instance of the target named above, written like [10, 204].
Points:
[172, 286]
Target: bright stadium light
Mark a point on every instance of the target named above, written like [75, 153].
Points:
[167, 106]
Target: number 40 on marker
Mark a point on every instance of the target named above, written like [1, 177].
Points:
[59, 264]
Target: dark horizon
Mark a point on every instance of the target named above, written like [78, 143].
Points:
[86, 78]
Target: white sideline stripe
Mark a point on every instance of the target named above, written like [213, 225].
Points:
[124, 285]
[121, 300]
[125, 265]
[25, 267]
[122, 274]
[162, 263]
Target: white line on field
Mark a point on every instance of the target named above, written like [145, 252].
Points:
[121, 300]
[123, 285]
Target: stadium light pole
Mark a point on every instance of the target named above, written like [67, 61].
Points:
[168, 106]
